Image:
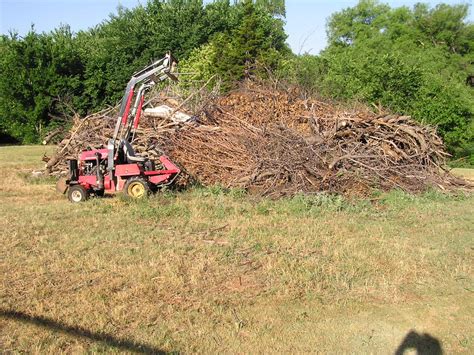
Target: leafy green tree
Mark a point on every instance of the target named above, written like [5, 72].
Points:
[412, 61]
[274, 7]
[40, 76]
[445, 26]
[131, 39]
[257, 42]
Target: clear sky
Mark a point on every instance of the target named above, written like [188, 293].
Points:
[305, 20]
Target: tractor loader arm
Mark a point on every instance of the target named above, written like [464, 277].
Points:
[129, 113]
[159, 71]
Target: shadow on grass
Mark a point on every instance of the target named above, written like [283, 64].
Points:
[424, 344]
[122, 344]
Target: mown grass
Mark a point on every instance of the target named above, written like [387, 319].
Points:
[212, 270]
[466, 173]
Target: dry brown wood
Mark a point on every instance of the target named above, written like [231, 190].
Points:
[276, 142]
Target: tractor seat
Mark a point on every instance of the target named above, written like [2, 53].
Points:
[129, 153]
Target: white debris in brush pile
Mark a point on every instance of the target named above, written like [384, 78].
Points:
[165, 111]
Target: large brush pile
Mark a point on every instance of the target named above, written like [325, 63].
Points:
[274, 143]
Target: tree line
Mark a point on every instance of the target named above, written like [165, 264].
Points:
[414, 61]
[417, 61]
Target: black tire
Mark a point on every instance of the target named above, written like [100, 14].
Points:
[99, 193]
[77, 193]
[136, 188]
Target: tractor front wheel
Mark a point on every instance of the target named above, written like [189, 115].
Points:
[77, 193]
[136, 188]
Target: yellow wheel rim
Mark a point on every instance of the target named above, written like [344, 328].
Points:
[136, 190]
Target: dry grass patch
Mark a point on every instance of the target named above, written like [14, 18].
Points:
[465, 173]
[211, 270]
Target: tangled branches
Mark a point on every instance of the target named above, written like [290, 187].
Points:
[275, 143]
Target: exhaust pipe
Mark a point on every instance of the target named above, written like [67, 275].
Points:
[99, 175]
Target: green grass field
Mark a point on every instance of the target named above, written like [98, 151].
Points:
[209, 270]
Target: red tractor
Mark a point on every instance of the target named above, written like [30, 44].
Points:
[117, 167]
